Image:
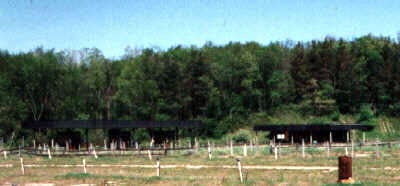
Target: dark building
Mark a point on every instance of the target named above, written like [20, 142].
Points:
[117, 129]
[311, 132]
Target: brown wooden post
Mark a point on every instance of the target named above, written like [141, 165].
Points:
[345, 170]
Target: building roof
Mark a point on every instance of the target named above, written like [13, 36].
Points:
[110, 124]
[312, 127]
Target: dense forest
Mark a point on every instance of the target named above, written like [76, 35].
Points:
[227, 87]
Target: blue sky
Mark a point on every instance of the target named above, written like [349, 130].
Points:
[113, 25]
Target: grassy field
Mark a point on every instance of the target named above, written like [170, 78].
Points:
[121, 170]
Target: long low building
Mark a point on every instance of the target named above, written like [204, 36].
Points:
[160, 131]
[312, 133]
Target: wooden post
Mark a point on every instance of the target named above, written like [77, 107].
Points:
[196, 145]
[257, 146]
[245, 150]
[231, 147]
[302, 148]
[330, 137]
[84, 166]
[352, 149]
[190, 144]
[311, 141]
[240, 170]
[347, 137]
[22, 166]
[105, 144]
[251, 145]
[66, 146]
[158, 166]
[149, 153]
[209, 151]
[377, 147]
[345, 148]
[79, 147]
[48, 152]
[52, 143]
[276, 152]
[363, 137]
[279, 149]
[5, 154]
[94, 153]
[34, 144]
[327, 149]
[292, 141]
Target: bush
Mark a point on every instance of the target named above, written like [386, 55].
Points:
[242, 136]
[366, 113]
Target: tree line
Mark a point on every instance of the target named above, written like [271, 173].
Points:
[222, 85]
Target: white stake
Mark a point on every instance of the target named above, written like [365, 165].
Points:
[276, 152]
[52, 143]
[84, 166]
[209, 152]
[34, 144]
[158, 166]
[245, 150]
[94, 152]
[5, 154]
[149, 153]
[345, 148]
[105, 144]
[240, 170]
[302, 148]
[22, 166]
[48, 152]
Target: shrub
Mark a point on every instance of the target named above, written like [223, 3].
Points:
[242, 136]
[366, 113]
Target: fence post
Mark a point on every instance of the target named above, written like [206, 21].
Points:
[251, 145]
[52, 143]
[105, 144]
[231, 143]
[245, 150]
[209, 150]
[327, 149]
[276, 152]
[5, 154]
[345, 148]
[34, 144]
[352, 149]
[94, 152]
[22, 166]
[48, 152]
[302, 148]
[149, 153]
[363, 137]
[377, 147]
[158, 166]
[240, 170]
[84, 166]
[196, 144]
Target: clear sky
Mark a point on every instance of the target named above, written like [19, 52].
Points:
[113, 25]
